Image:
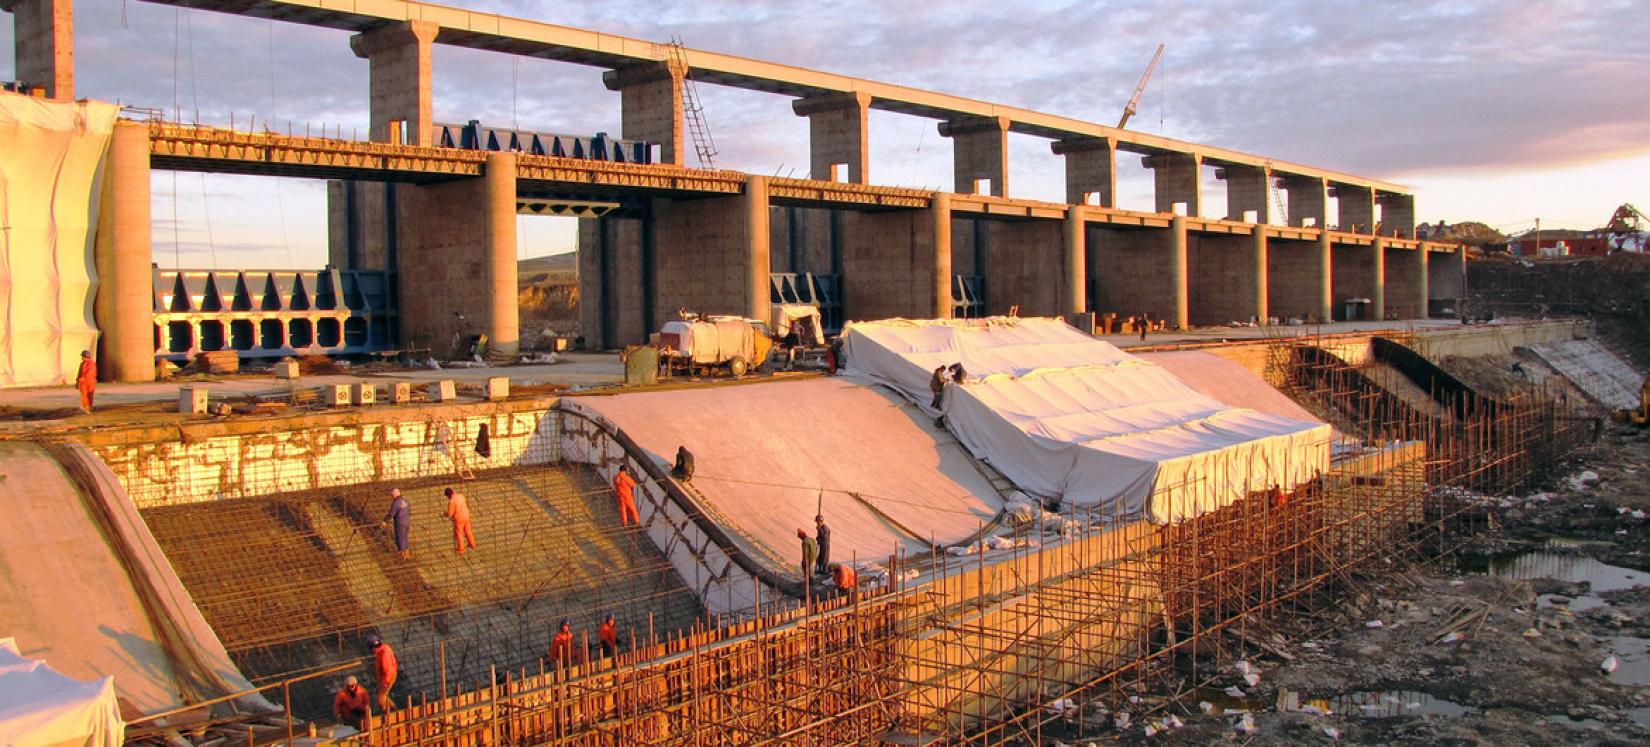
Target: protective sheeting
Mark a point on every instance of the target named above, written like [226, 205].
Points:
[42, 707]
[711, 342]
[1066, 416]
[770, 456]
[87, 588]
[51, 165]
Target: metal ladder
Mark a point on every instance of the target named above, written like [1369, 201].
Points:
[703, 145]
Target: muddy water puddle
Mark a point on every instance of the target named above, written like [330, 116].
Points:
[1559, 560]
[1358, 704]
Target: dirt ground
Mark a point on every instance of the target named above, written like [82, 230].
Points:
[1564, 574]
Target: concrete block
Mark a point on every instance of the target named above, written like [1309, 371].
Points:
[442, 391]
[363, 393]
[286, 369]
[192, 400]
[335, 395]
[400, 392]
[498, 388]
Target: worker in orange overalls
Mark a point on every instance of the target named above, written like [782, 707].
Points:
[86, 380]
[845, 578]
[609, 635]
[458, 512]
[387, 668]
[624, 486]
[351, 705]
[561, 646]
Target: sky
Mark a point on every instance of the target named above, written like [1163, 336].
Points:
[1494, 111]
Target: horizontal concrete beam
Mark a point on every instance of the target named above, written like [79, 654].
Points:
[490, 32]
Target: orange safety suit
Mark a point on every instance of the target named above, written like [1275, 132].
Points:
[388, 668]
[458, 511]
[352, 707]
[86, 381]
[845, 577]
[561, 648]
[609, 633]
[624, 486]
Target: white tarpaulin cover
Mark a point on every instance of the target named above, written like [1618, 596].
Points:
[51, 162]
[1067, 416]
[41, 707]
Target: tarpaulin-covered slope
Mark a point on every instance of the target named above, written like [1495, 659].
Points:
[770, 455]
[1064, 415]
[40, 706]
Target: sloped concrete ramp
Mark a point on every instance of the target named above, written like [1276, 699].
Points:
[84, 587]
[1601, 374]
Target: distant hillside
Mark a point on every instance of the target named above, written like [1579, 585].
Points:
[539, 269]
[548, 293]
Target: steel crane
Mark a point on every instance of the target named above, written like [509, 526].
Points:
[1134, 101]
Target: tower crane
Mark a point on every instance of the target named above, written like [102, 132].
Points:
[1134, 101]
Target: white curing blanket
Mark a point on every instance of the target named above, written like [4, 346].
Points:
[41, 706]
[1067, 416]
[51, 161]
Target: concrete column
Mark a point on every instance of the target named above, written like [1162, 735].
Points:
[1075, 297]
[939, 212]
[650, 105]
[1091, 168]
[124, 308]
[1397, 215]
[1177, 180]
[1247, 188]
[1262, 300]
[838, 133]
[1326, 275]
[1308, 198]
[980, 151]
[43, 33]
[1180, 281]
[1357, 208]
[1423, 294]
[758, 248]
[1377, 280]
[399, 77]
[499, 200]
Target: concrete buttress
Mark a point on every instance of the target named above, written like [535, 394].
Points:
[980, 151]
[124, 309]
[650, 105]
[838, 134]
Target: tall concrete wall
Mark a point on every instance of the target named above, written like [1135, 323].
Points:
[1024, 267]
[458, 274]
[802, 239]
[124, 305]
[1353, 273]
[1297, 279]
[358, 236]
[43, 31]
[612, 269]
[1223, 276]
[1133, 271]
[889, 264]
[713, 255]
[1406, 284]
[1447, 276]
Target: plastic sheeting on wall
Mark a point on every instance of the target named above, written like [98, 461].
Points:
[51, 168]
[1066, 416]
[39, 705]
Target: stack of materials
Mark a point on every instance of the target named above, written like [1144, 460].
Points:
[1072, 418]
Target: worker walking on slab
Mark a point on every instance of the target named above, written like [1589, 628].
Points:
[387, 668]
[624, 487]
[458, 512]
[86, 380]
[822, 536]
[1144, 323]
[608, 633]
[351, 706]
[401, 513]
[561, 645]
[810, 555]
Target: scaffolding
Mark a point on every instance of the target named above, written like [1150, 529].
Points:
[1079, 615]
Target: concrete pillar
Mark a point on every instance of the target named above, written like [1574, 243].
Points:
[1326, 275]
[1423, 293]
[980, 151]
[499, 200]
[1176, 176]
[1179, 289]
[1377, 280]
[1262, 300]
[1075, 298]
[43, 34]
[1091, 169]
[1357, 208]
[399, 77]
[939, 213]
[758, 248]
[124, 307]
[838, 133]
[1308, 199]
[650, 105]
[1247, 188]
[1397, 215]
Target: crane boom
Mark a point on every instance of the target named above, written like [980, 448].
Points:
[1134, 101]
